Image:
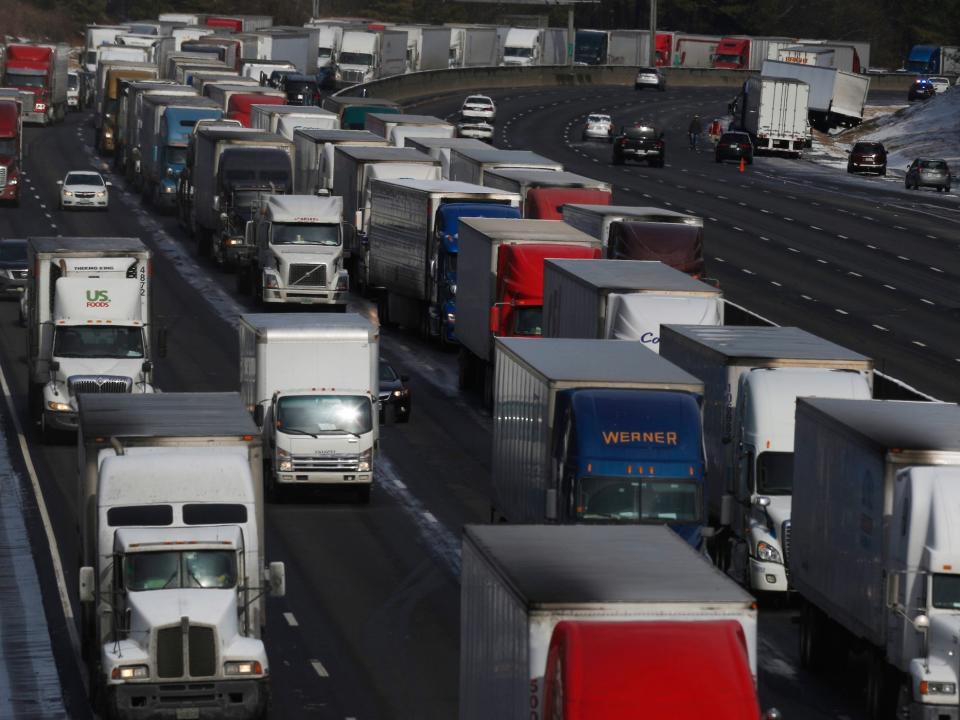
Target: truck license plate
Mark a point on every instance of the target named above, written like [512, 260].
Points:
[188, 713]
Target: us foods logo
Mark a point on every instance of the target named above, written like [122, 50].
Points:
[98, 299]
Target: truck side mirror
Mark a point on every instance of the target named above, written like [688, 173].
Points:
[147, 366]
[258, 415]
[216, 203]
[87, 584]
[726, 510]
[494, 318]
[358, 220]
[162, 342]
[277, 578]
[249, 232]
[54, 366]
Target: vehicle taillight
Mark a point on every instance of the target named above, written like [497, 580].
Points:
[623, 142]
[659, 144]
[744, 147]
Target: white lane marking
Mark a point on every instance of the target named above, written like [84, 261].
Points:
[764, 210]
[291, 620]
[765, 238]
[881, 328]
[932, 237]
[806, 297]
[712, 219]
[822, 262]
[748, 272]
[872, 247]
[319, 668]
[774, 282]
[814, 227]
[719, 259]
[928, 302]
[429, 517]
[936, 269]
[854, 274]
[842, 237]
[42, 206]
[47, 526]
[841, 311]
[898, 227]
[901, 257]
[889, 287]
[918, 343]
[738, 229]
[788, 219]
[721, 197]
[793, 250]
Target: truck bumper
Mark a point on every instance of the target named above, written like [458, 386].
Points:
[35, 117]
[10, 193]
[234, 254]
[66, 421]
[230, 699]
[324, 478]
[934, 712]
[305, 296]
[768, 577]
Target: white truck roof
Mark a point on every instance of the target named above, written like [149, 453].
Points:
[226, 537]
[495, 155]
[631, 212]
[304, 110]
[548, 565]
[87, 246]
[506, 230]
[366, 153]
[304, 208]
[319, 135]
[420, 143]
[184, 476]
[553, 178]
[271, 327]
[631, 276]
[571, 361]
[451, 186]
[401, 119]
[761, 343]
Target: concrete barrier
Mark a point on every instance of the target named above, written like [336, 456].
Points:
[431, 83]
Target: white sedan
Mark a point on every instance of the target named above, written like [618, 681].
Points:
[478, 107]
[476, 129]
[84, 188]
[598, 127]
[940, 84]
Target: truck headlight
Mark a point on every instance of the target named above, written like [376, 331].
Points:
[243, 667]
[768, 553]
[343, 282]
[13, 181]
[270, 281]
[58, 406]
[130, 672]
[937, 688]
[40, 107]
[284, 461]
[366, 461]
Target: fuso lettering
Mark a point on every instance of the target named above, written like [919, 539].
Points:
[657, 437]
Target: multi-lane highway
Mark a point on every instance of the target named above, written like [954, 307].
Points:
[370, 624]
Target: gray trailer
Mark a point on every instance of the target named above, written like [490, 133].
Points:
[836, 98]
[469, 165]
[518, 582]
[596, 220]
[314, 151]
[296, 46]
[395, 127]
[439, 148]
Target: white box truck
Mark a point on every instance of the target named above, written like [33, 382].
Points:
[88, 324]
[873, 550]
[312, 383]
[397, 127]
[775, 112]
[439, 148]
[172, 579]
[313, 150]
[623, 300]
[750, 543]
[596, 220]
[286, 119]
[837, 98]
[519, 582]
[468, 165]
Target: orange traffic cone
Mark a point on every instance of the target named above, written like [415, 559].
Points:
[743, 165]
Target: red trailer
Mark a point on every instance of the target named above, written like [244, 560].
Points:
[239, 106]
[11, 146]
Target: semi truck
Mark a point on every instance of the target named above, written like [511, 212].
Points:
[222, 92]
[747, 53]
[467, 165]
[694, 51]
[836, 98]
[328, 45]
[312, 384]
[88, 324]
[41, 70]
[598, 220]
[314, 151]
[97, 35]
[296, 46]
[397, 127]
[775, 111]
[286, 119]
[130, 113]
[413, 249]
[535, 46]
[575, 418]
[428, 48]
[474, 47]
[11, 149]
[934, 60]
[623, 300]
[110, 105]
[872, 550]
[500, 286]
[298, 256]
[370, 55]
[353, 111]
[518, 582]
[172, 583]
[240, 106]
[750, 543]
[102, 90]
[543, 193]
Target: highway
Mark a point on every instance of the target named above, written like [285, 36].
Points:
[370, 624]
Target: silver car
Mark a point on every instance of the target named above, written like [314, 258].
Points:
[925, 172]
[650, 77]
[598, 127]
[13, 267]
[476, 129]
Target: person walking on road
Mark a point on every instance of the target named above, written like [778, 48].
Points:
[695, 129]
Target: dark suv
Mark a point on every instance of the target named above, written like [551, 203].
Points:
[735, 146]
[301, 89]
[868, 157]
[639, 142]
[922, 89]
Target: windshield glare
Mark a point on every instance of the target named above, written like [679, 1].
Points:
[946, 591]
[528, 321]
[728, 58]
[291, 234]
[194, 569]
[632, 500]
[775, 473]
[324, 414]
[22, 81]
[353, 58]
[176, 155]
[520, 52]
[92, 341]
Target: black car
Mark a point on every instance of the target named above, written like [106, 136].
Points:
[639, 142]
[868, 157]
[394, 395]
[922, 89]
[301, 89]
[735, 146]
[13, 267]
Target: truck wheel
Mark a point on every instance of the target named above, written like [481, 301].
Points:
[488, 385]
[34, 400]
[47, 433]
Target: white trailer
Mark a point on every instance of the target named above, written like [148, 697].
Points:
[285, 120]
[469, 165]
[295, 46]
[623, 300]
[328, 45]
[428, 48]
[397, 127]
[836, 98]
[518, 582]
[775, 112]
[628, 47]
[816, 55]
[313, 164]
[873, 549]
[97, 35]
[474, 47]
[439, 148]
[312, 383]
[596, 220]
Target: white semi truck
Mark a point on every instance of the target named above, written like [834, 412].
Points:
[312, 384]
[88, 324]
[366, 56]
[775, 113]
[172, 580]
[873, 550]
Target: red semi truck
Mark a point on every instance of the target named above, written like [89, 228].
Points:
[41, 70]
[616, 671]
[239, 106]
[11, 146]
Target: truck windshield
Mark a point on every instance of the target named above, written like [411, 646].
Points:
[324, 53]
[946, 591]
[176, 155]
[519, 52]
[92, 341]
[21, 81]
[73, 82]
[732, 59]
[324, 414]
[91, 57]
[632, 500]
[188, 569]
[291, 234]
[528, 321]
[355, 58]
[13, 251]
[8, 146]
[775, 473]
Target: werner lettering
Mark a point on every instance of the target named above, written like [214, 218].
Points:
[655, 437]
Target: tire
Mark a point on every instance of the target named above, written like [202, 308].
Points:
[48, 436]
[464, 370]
[718, 160]
[883, 173]
[34, 401]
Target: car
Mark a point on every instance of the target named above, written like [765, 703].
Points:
[735, 146]
[84, 188]
[650, 77]
[868, 157]
[598, 127]
[921, 89]
[478, 107]
[476, 129]
[940, 84]
[300, 89]
[928, 172]
[13, 267]
[394, 395]
[639, 142]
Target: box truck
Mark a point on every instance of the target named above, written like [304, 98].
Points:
[775, 112]
[836, 98]
[543, 193]
[598, 220]
[439, 148]
[397, 127]
[353, 111]
[467, 165]
[313, 151]
[286, 119]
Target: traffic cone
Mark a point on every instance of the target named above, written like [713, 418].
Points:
[743, 165]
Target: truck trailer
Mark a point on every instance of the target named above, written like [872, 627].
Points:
[775, 112]
[836, 98]
[468, 165]
[41, 70]
[543, 193]
[597, 220]
[314, 151]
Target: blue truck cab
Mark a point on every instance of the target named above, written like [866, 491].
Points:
[447, 229]
[631, 456]
[170, 150]
[924, 59]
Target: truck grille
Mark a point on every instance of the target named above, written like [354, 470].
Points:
[201, 652]
[351, 76]
[18, 274]
[785, 541]
[308, 275]
[326, 463]
[99, 384]
[3, 174]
